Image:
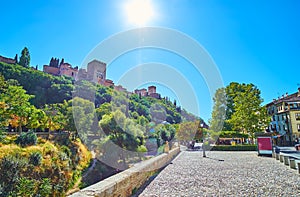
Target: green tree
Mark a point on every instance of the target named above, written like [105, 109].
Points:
[166, 132]
[219, 110]
[249, 116]
[83, 114]
[16, 108]
[103, 109]
[3, 105]
[66, 109]
[16, 59]
[123, 132]
[55, 117]
[37, 118]
[25, 58]
[232, 98]
[48, 89]
[232, 91]
[187, 131]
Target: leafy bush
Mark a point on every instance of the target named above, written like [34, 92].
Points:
[2, 135]
[10, 169]
[44, 188]
[49, 149]
[25, 187]
[160, 150]
[142, 149]
[66, 150]
[35, 158]
[63, 156]
[27, 139]
[234, 148]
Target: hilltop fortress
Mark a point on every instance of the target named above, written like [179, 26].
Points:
[95, 72]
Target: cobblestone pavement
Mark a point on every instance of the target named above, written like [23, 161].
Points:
[240, 174]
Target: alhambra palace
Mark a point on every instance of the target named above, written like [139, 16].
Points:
[94, 72]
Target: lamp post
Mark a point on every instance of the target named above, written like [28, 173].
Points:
[203, 144]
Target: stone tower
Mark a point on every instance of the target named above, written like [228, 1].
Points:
[96, 72]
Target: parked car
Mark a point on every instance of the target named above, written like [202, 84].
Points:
[198, 146]
[195, 146]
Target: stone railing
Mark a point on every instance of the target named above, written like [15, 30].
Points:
[290, 159]
[126, 182]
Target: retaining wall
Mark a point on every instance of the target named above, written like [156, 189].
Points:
[124, 183]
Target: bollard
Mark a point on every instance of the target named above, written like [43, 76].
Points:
[167, 148]
[277, 156]
[286, 160]
[299, 168]
[281, 158]
[293, 163]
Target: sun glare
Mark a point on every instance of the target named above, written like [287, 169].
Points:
[139, 12]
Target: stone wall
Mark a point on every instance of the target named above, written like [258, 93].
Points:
[7, 60]
[51, 70]
[124, 183]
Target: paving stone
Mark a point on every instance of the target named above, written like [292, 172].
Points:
[240, 174]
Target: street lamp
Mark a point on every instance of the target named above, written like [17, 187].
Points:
[203, 144]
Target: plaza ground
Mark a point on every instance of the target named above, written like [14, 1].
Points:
[224, 174]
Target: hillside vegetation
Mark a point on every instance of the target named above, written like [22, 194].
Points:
[71, 112]
[44, 168]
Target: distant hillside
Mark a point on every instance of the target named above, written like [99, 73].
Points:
[67, 110]
[49, 89]
[46, 88]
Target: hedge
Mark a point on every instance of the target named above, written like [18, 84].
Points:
[234, 148]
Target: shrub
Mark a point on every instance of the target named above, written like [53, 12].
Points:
[160, 150]
[45, 188]
[2, 135]
[27, 139]
[10, 168]
[49, 149]
[25, 187]
[66, 150]
[234, 148]
[142, 149]
[63, 156]
[35, 158]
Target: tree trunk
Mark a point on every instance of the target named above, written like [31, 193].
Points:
[124, 166]
[20, 128]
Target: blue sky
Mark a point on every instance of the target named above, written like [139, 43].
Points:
[250, 41]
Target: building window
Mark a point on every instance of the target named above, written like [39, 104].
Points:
[297, 116]
[293, 106]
